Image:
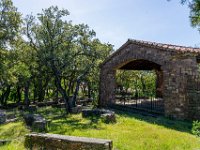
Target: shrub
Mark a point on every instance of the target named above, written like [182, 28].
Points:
[196, 128]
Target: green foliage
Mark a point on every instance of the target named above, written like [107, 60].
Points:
[142, 82]
[196, 128]
[194, 6]
[14, 132]
[195, 13]
[47, 57]
[10, 22]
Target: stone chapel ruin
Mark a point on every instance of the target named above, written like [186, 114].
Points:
[177, 69]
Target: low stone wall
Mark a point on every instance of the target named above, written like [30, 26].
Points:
[62, 142]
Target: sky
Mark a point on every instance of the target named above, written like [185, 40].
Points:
[116, 21]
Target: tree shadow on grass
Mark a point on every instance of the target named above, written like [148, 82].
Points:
[69, 125]
[183, 126]
[65, 124]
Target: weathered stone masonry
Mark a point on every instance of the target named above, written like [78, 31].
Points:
[38, 141]
[177, 72]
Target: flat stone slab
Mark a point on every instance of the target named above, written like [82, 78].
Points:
[55, 141]
[108, 116]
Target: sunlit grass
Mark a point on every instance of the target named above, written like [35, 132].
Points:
[14, 132]
[129, 133]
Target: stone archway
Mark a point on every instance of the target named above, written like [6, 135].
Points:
[141, 64]
[176, 63]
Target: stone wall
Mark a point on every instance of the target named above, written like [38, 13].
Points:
[61, 142]
[193, 94]
[175, 67]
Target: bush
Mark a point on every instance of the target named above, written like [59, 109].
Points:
[196, 128]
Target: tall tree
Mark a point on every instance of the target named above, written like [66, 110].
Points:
[68, 51]
[51, 38]
[10, 21]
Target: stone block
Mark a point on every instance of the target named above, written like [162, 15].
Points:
[94, 112]
[39, 126]
[36, 122]
[109, 118]
[29, 119]
[106, 115]
[77, 109]
[55, 142]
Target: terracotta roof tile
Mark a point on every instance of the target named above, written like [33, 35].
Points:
[166, 46]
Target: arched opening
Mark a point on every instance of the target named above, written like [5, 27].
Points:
[139, 85]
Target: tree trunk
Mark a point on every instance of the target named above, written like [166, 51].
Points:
[76, 93]
[41, 92]
[64, 94]
[19, 94]
[5, 95]
[34, 92]
[78, 81]
[69, 87]
[59, 86]
[26, 94]
[143, 84]
[89, 90]
[57, 94]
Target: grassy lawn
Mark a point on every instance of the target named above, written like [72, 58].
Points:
[132, 131]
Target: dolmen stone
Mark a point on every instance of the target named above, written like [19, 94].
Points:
[36, 122]
[2, 116]
[62, 142]
[107, 116]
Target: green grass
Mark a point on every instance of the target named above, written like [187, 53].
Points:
[131, 132]
[14, 132]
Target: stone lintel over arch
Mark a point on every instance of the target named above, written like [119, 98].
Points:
[173, 64]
